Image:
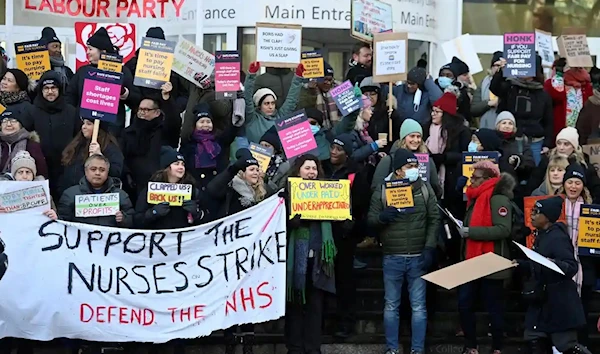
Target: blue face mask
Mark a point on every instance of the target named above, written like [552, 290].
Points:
[315, 129]
[444, 81]
[473, 147]
[412, 174]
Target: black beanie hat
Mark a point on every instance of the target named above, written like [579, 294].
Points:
[489, 139]
[50, 77]
[20, 78]
[202, 110]
[403, 157]
[495, 57]
[575, 170]
[10, 114]
[345, 141]
[49, 36]
[101, 40]
[315, 114]
[328, 69]
[271, 137]
[551, 207]
[445, 67]
[155, 32]
[247, 157]
[458, 67]
[168, 155]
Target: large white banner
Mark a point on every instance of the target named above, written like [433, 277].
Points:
[118, 285]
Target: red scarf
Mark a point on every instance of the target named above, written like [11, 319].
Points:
[508, 135]
[481, 216]
[576, 77]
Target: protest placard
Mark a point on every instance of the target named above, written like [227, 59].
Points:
[100, 95]
[423, 166]
[154, 64]
[538, 258]
[389, 57]
[277, 45]
[32, 58]
[471, 158]
[94, 205]
[314, 64]
[320, 200]
[111, 62]
[574, 47]
[588, 239]
[399, 194]
[345, 99]
[227, 74]
[593, 152]
[16, 196]
[295, 134]
[369, 17]
[528, 205]
[192, 62]
[172, 193]
[519, 52]
[262, 154]
[462, 48]
[153, 286]
[544, 47]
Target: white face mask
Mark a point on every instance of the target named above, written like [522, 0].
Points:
[412, 174]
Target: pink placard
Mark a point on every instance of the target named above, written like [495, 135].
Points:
[297, 139]
[227, 77]
[100, 96]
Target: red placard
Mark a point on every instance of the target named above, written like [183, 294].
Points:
[122, 36]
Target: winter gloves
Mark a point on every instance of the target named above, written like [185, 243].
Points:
[255, 67]
[300, 70]
[191, 206]
[461, 182]
[158, 211]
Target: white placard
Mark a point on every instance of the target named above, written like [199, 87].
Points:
[17, 196]
[192, 62]
[278, 45]
[543, 45]
[95, 205]
[391, 57]
[119, 285]
[538, 258]
[462, 47]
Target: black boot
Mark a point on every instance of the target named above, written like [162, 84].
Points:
[578, 349]
[538, 346]
[248, 343]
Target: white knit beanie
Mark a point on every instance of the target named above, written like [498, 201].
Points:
[506, 115]
[22, 159]
[260, 93]
[569, 134]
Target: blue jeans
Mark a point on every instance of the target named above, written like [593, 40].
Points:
[396, 269]
[536, 150]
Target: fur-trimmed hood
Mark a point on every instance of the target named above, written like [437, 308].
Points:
[34, 136]
[505, 186]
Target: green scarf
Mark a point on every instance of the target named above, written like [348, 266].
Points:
[297, 259]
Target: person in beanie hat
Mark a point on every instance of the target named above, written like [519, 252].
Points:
[155, 32]
[552, 318]
[445, 77]
[460, 69]
[57, 61]
[447, 103]
[14, 89]
[365, 148]
[101, 41]
[405, 231]
[460, 86]
[278, 165]
[485, 140]
[516, 157]
[487, 227]
[484, 102]
[379, 123]
[315, 94]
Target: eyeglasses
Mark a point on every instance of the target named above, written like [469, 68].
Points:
[475, 178]
[47, 89]
[146, 110]
[12, 121]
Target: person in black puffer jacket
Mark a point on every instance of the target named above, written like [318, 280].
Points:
[99, 43]
[380, 105]
[55, 121]
[361, 64]
[14, 89]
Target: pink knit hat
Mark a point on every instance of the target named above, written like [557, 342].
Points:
[487, 165]
[366, 101]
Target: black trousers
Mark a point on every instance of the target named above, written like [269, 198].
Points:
[563, 341]
[23, 346]
[586, 298]
[345, 283]
[246, 332]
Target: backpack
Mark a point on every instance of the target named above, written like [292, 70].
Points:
[519, 231]
[519, 102]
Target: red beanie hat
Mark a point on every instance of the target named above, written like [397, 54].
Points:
[447, 103]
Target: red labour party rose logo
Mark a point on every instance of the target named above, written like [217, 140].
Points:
[122, 35]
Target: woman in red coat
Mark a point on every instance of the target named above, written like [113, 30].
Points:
[569, 88]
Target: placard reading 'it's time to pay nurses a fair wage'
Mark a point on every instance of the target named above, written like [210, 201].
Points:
[173, 193]
[320, 199]
[277, 45]
[399, 194]
[588, 240]
[314, 64]
[262, 154]
[155, 60]
[32, 58]
[100, 95]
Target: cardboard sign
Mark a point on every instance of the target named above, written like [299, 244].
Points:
[369, 17]
[544, 47]
[100, 95]
[111, 62]
[277, 45]
[320, 200]
[172, 193]
[122, 36]
[462, 48]
[227, 74]
[588, 239]
[314, 64]
[423, 166]
[389, 57]
[574, 47]
[154, 63]
[399, 194]
[344, 98]
[262, 154]
[593, 151]
[32, 58]
[538, 258]
[468, 270]
[95, 205]
[26, 198]
[519, 52]
[192, 62]
[528, 205]
[471, 158]
[295, 134]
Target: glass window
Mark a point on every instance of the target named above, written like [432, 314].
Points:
[2, 12]
[210, 43]
[248, 50]
[339, 63]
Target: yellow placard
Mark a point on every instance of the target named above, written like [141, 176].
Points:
[313, 63]
[2, 109]
[172, 193]
[492, 96]
[110, 62]
[320, 200]
[155, 60]
[588, 239]
[262, 154]
[32, 58]
[399, 194]
[471, 158]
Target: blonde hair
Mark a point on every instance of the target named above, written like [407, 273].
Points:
[422, 149]
[585, 194]
[259, 188]
[555, 161]
[577, 154]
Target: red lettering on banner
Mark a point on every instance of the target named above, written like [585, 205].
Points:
[149, 7]
[44, 4]
[28, 6]
[247, 296]
[244, 298]
[187, 312]
[108, 314]
[102, 8]
[99, 8]
[258, 291]
[59, 6]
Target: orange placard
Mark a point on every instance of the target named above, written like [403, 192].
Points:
[528, 204]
